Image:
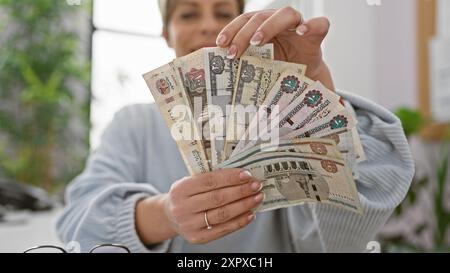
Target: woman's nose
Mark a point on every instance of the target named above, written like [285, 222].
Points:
[210, 26]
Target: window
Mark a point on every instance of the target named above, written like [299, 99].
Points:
[127, 42]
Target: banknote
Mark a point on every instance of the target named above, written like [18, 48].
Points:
[292, 133]
[294, 178]
[191, 71]
[220, 81]
[357, 145]
[256, 77]
[321, 146]
[343, 141]
[169, 96]
[332, 124]
[313, 104]
[345, 144]
[290, 84]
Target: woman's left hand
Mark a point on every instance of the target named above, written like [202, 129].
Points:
[294, 39]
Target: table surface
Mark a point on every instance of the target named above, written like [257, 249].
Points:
[22, 230]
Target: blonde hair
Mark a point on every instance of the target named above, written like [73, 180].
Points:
[168, 6]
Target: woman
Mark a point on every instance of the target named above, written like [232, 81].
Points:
[135, 191]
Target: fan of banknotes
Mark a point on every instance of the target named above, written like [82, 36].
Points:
[263, 115]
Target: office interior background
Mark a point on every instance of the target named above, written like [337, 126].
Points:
[66, 67]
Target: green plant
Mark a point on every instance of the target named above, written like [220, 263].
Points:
[413, 122]
[41, 67]
[442, 215]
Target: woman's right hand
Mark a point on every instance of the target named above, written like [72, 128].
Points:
[228, 196]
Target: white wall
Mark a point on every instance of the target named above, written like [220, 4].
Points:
[371, 49]
[396, 53]
[351, 45]
[443, 18]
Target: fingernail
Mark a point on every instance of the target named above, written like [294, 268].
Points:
[245, 175]
[256, 186]
[259, 197]
[221, 39]
[301, 30]
[257, 38]
[251, 217]
[232, 51]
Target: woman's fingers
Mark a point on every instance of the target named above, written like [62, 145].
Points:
[221, 230]
[207, 182]
[315, 29]
[241, 40]
[228, 33]
[282, 20]
[225, 213]
[221, 197]
[257, 29]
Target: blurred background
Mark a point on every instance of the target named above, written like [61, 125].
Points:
[66, 66]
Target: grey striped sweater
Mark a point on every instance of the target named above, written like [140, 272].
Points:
[137, 158]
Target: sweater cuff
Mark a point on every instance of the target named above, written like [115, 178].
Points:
[126, 228]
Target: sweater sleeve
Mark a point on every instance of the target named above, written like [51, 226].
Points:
[101, 201]
[384, 179]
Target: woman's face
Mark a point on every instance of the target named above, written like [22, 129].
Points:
[196, 23]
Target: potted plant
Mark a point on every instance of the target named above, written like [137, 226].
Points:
[44, 101]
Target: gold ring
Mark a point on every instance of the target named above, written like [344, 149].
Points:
[208, 226]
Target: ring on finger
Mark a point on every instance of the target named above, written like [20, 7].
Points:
[208, 226]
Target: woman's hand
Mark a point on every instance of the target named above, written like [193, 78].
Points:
[294, 39]
[228, 196]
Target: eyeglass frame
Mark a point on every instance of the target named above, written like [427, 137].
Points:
[65, 251]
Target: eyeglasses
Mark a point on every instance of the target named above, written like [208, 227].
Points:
[104, 248]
